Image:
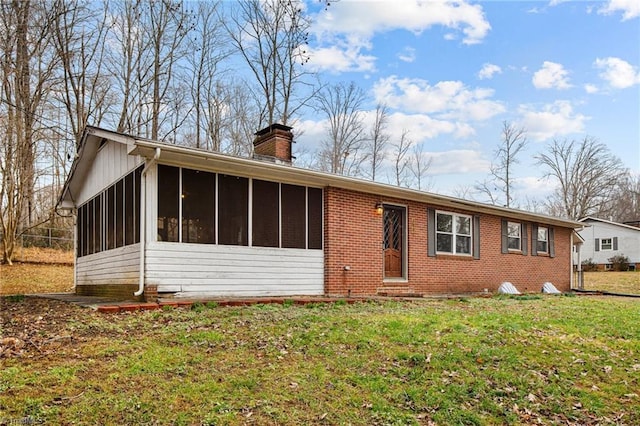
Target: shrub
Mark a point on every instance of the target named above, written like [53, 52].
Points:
[589, 265]
[620, 262]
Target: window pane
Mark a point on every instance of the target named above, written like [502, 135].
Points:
[233, 210]
[119, 213]
[315, 217]
[293, 216]
[111, 218]
[542, 234]
[80, 231]
[513, 229]
[136, 204]
[514, 243]
[541, 246]
[444, 222]
[198, 206]
[266, 213]
[168, 196]
[129, 196]
[88, 230]
[463, 245]
[98, 224]
[463, 225]
[444, 243]
[91, 227]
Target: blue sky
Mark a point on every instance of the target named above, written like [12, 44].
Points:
[452, 72]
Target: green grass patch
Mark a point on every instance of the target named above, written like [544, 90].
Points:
[504, 360]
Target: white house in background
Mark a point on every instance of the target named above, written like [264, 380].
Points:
[604, 239]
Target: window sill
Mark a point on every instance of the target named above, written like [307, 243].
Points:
[454, 256]
[395, 280]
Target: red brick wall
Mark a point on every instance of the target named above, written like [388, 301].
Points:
[353, 237]
[276, 143]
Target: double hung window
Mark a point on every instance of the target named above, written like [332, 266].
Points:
[453, 233]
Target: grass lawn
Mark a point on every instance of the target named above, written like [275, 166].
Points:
[502, 360]
[615, 282]
[37, 270]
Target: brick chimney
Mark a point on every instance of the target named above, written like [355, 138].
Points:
[273, 143]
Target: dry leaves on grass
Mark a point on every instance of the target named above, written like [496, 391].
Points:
[36, 327]
[26, 278]
[43, 255]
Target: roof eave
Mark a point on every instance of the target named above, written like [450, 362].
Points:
[178, 155]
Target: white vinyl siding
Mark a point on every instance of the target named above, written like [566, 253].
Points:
[213, 270]
[117, 266]
[112, 163]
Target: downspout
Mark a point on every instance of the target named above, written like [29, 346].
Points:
[143, 221]
[572, 276]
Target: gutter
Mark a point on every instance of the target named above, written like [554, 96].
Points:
[143, 221]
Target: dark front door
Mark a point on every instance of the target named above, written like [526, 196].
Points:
[393, 244]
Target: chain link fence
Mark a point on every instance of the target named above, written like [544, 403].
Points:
[56, 238]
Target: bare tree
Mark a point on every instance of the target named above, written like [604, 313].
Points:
[241, 121]
[500, 181]
[463, 191]
[400, 160]
[623, 204]
[26, 74]
[341, 105]
[169, 25]
[378, 139]
[130, 62]
[270, 35]
[586, 174]
[207, 92]
[419, 165]
[79, 38]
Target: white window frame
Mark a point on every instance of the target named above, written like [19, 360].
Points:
[454, 234]
[609, 244]
[510, 226]
[545, 240]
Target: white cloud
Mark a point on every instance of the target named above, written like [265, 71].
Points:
[457, 161]
[488, 71]
[591, 88]
[408, 54]
[618, 73]
[337, 59]
[630, 8]
[367, 18]
[551, 75]
[349, 25]
[422, 126]
[552, 120]
[448, 99]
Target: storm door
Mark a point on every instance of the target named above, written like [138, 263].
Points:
[393, 241]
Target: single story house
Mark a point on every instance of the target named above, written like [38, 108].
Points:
[604, 239]
[156, 219]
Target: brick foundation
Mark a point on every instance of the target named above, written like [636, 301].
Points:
[112, 291]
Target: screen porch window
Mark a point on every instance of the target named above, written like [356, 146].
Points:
[241, 211]
[112, 218]
[198, 206]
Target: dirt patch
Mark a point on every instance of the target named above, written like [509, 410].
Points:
[35, 327]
